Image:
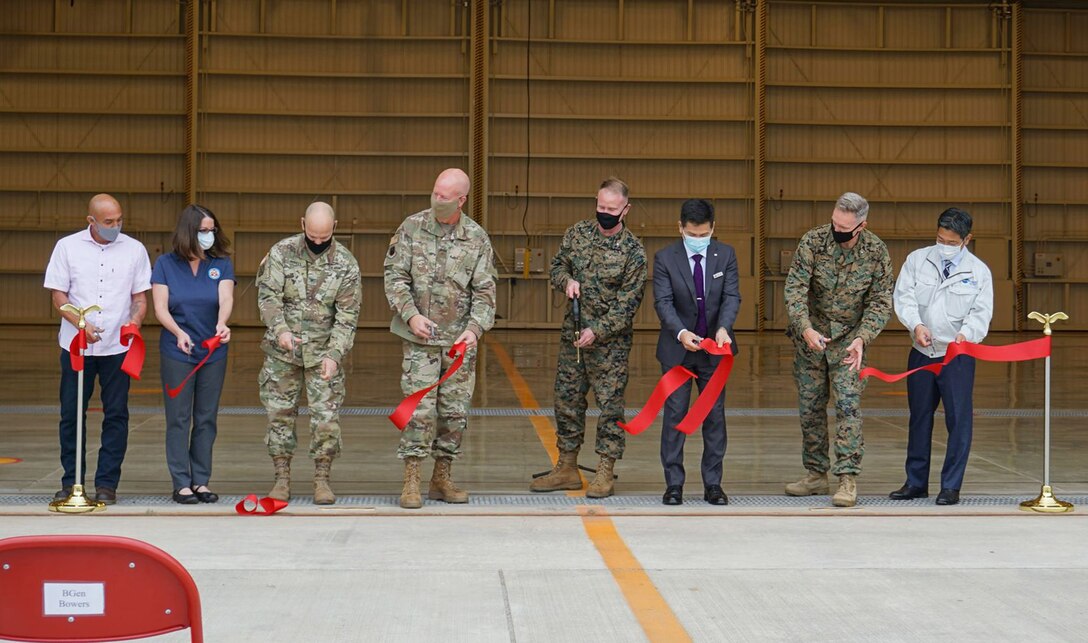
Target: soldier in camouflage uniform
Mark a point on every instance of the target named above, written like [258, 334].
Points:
[440, 283]
[309, 294]
[838, 297]
[603, 264]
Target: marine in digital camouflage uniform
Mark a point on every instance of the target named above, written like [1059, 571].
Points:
[440, 282]
[309, 294]
[838, 297]
[604, 264]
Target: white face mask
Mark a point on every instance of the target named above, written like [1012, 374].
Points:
[948, 252]
[205, 239]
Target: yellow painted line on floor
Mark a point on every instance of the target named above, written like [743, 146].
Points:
[545, 430]
[654, 615]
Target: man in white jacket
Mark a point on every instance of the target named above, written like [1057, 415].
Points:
[944, 294]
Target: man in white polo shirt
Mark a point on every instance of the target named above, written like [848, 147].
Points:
[98, 266]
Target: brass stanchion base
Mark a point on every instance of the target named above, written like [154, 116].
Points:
[1046, 503]
[76, 503]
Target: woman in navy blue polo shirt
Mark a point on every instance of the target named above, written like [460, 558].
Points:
[193, 290]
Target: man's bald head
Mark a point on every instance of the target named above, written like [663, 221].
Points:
[319, 222]
[103, 206]
[451, 184]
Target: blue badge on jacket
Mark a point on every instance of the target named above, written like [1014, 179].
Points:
[214, 274]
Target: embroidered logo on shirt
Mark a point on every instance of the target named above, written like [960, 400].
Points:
[214, 274]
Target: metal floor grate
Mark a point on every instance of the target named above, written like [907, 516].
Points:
[558, 500]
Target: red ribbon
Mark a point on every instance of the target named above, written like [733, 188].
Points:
[76, 348]
[250, 506]
[673, 379]
[211, 344]
[1019, 352]
[134, 359]
[403, 413]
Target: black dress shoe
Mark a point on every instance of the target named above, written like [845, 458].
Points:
[105, 495]
[715, 496]
[185, 498]
[63, 494]
[948, 497]
[206, 496]
[674, 495]
[907, 492]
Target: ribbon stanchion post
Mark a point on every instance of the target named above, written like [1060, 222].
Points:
[1046, 502]
[403, 413]
[77, 502]
[676, 377]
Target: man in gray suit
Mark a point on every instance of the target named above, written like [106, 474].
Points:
[696, 295]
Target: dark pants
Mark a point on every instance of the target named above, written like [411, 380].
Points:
[713, 429]
[115, 385]
[189, 455]
[952, 387]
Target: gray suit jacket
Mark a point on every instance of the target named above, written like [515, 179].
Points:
[674, 296]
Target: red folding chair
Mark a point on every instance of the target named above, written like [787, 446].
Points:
[93, 588]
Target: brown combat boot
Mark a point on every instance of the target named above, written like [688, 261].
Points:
[282, 489]
[323, 495]
[602, 484]
[409, 496]
[814, 484]
[847, 495]
[564, 475]
[442, 487]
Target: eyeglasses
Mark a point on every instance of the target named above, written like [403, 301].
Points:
[212, 230]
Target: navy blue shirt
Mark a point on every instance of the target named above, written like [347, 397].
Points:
[193, 303]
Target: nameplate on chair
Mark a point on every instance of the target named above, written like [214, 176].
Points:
[74, 599]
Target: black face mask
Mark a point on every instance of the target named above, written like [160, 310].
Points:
[608, 221]
[843, 237]
[317, 248]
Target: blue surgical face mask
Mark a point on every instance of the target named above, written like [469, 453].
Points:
[696, 245]
[205, 239]
[109, 234]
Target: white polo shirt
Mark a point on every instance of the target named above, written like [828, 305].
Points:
[104, 274]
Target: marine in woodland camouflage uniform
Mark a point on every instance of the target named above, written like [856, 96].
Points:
[607, 273]
[842, 297]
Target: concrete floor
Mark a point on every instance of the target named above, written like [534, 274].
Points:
[516, 568]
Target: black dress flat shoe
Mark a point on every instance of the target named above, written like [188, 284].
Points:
[715, 496]
[206, 496]
[674, 495]
[185, 498]
[907, 492]
[948, 497]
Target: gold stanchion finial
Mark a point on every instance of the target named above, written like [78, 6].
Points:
[1046, 502]
[1046, 320]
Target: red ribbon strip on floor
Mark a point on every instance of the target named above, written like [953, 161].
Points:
[75, 349]
[673, 379]
[211, 344]
[134, 359]
[403, 413]
[250, 506]
[1019, 352]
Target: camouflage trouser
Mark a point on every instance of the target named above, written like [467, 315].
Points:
[817, 374]
[281, 387]
[605, 369]
[438, 424]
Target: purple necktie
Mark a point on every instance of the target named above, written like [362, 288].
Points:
[700, 322]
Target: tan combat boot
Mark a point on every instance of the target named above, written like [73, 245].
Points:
[602, 484]
[323, 495]
[847, 495]
[282, 489]
[564, 475]
[409, 497]
[442, 487]
[814, 484]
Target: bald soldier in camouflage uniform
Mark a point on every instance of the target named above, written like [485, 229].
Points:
[838, 297]
[440, 283]
[309, 294]
[604, 265]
